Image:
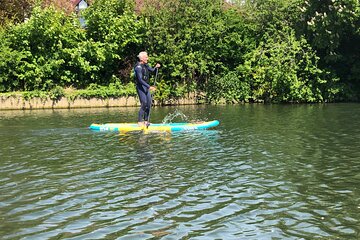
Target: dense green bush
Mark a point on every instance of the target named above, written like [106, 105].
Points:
[229, 88]
[260, 50]
[37, 53]
[10, 64]
[332, 29]
[114, 90]
[114, 25]
[51, 49]
[284, 69]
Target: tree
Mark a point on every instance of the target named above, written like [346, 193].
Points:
[15, 10]
[285, 69]
[195, 40]
[114, 25]
[332, 28]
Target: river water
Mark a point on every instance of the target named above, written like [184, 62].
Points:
[266, 172]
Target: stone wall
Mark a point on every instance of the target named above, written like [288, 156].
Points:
[18, 102]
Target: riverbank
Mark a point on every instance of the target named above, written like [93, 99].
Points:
[18, 102]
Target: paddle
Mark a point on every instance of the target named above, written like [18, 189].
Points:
[147, 126]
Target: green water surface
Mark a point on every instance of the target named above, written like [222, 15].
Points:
[266, 172]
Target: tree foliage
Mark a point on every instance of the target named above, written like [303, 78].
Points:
[113, 24]
[51, 49]
[14, 11]
[43, 50]
[195, 40]
[258, 50]
[332, 28]
[285, 69]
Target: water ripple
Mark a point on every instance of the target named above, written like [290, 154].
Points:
[274, 175]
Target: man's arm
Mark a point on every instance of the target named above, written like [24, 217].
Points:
[152, 69]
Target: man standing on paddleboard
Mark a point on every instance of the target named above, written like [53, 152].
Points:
[143, 87]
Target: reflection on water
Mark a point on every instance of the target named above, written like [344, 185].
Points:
[267, 171]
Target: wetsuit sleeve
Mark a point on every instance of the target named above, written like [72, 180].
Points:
[139, 77]
[150, 68]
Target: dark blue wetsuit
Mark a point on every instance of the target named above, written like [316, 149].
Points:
[142, 88]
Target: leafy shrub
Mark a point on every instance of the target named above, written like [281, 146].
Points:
[56, 93]
[103, 92]
[284, 69]
[229, 88]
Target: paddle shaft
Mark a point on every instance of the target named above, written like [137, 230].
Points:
[157, 69]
